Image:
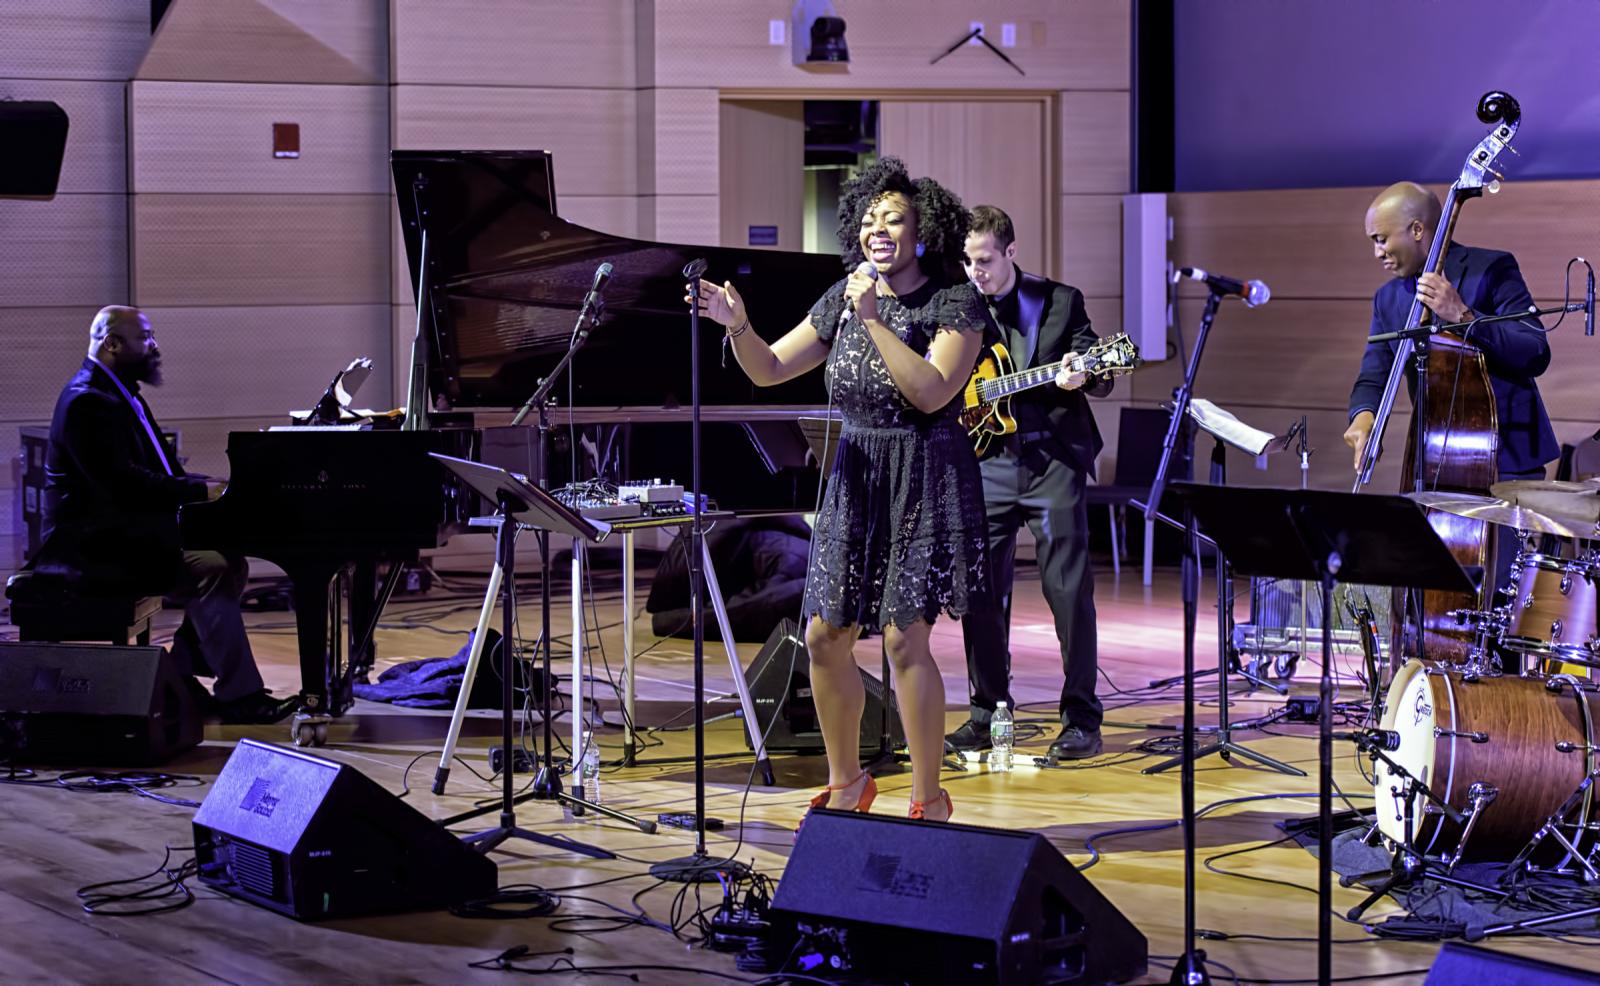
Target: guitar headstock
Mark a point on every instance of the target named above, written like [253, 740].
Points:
[1113, 355]
[1483, 165]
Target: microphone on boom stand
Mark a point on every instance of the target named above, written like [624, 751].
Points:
[588, 313]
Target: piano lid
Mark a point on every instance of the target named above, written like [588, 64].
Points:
[506, 277]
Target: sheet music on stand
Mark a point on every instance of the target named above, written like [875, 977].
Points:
[1227, 428]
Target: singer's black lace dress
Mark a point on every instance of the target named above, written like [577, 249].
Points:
[900, 535]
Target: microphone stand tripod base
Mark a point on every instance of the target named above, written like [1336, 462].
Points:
[697, 868]
[1191, 970]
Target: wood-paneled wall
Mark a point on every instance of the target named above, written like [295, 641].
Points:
[633, 97]
[263, 276]
[67, 255]
[1298, 354]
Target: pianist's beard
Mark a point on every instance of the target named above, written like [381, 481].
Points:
[146, 369]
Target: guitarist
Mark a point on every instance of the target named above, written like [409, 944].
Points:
[1038, 478]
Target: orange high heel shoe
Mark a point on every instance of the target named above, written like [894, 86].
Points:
[919, 809]
[869, 791]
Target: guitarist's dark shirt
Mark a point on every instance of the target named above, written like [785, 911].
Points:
[1058, 419]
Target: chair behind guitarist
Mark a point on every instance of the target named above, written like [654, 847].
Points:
[1038, 477]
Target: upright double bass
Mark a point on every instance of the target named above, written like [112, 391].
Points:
[1454, 444]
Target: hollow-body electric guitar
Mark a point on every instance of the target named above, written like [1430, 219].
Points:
[986, 410]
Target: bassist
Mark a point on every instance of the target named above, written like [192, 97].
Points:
[1038, 478]
[1401, 223]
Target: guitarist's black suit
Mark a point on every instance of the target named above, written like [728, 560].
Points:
[1038, 478]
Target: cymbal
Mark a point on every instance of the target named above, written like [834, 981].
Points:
[1493, 511]
[1577, 505]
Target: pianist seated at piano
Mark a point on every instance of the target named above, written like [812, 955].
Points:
[112, 492]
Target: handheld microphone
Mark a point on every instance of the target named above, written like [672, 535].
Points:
[866, 269]
[1253, 292]
[593, 300]
[1588, 303]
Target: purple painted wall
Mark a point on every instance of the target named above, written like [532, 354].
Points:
[1307, 94]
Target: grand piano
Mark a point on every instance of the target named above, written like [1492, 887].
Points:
[499, 279]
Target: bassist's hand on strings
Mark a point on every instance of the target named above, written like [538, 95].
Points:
[1066, 379]
[1357, 435]
[1442, 298]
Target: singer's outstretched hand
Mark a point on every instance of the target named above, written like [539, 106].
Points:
[722, 305]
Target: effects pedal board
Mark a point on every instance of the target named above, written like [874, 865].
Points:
[655, 497]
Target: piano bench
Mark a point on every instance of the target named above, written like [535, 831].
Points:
[48, 609]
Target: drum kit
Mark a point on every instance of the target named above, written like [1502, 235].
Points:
[1498, 758]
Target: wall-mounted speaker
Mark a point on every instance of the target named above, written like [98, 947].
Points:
[780, 686]
[896, 900]
[314, 839]
[34, 135]
[96, 705]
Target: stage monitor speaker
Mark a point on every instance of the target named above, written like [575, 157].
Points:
[315, 839]
[780, 685]
[96, 705]
[899, 900]
[1457, 963]
[34, 135]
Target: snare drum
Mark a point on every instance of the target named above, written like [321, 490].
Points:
[1455, 731]
[1555, 613]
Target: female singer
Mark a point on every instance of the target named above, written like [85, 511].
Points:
[899, 536]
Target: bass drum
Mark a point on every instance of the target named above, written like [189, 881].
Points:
[1456, 731]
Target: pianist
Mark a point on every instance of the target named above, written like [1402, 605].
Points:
[112, 492]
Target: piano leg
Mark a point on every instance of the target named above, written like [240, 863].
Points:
[367, 603]
[363, 615]
[318, 616]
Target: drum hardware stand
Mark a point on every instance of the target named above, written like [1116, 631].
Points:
[1408, 867]
[1561, 817]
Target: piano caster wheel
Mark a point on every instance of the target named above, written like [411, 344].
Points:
[1283, 666]
[309, 730]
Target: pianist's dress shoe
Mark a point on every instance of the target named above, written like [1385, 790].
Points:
[1074, 743]
[256, 709]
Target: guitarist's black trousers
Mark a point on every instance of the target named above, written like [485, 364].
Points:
[1025, 484]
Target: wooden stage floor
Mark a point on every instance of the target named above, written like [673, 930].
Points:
[57, 841]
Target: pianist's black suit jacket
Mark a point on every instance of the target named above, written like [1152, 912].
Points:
[110, 511]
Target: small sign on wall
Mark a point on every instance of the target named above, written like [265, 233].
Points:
[763, 236]
[286, 140]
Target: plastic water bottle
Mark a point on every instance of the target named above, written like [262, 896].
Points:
[590, 761]
[1001, 730]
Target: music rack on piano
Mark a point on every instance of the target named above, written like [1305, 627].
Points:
[499, 279]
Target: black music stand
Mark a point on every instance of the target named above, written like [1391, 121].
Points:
[1327, 537]
[521, 504]
[1223, 745]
